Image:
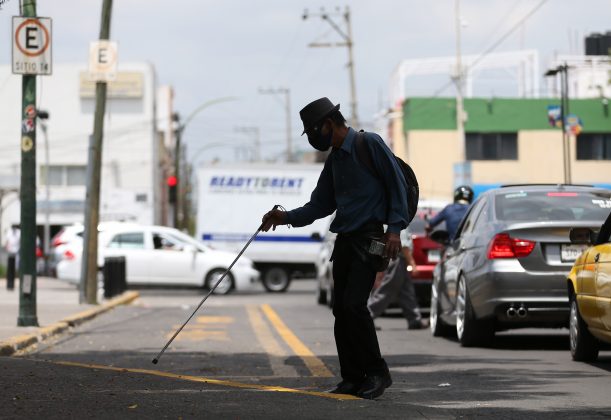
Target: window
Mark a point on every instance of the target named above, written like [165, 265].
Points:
[492, 146]
[167, 242]
[128, 241]
[64, 175]
[76, 175]
[472, 216]
[594, 146]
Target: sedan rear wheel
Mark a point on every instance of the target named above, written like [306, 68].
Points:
[224, 287]
[584, 346]
[469, 330]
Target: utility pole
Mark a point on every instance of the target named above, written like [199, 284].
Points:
[287, 106]
[563, 70]
[347, 42]
[89, 269]
[460, 115]
[27, 247]
[177, 151]
[254, 131]
[43, 116]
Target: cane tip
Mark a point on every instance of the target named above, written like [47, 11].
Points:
[155, 361]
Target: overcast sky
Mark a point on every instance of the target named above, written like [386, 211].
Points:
[209, 49]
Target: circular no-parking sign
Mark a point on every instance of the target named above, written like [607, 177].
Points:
[31, 45]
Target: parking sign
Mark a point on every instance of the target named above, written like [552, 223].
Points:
[31, 45]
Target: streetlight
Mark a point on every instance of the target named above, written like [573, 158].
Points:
[179, 132]
[43, 116]
[564, 111]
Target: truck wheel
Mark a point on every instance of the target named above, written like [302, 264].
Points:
[276, 279]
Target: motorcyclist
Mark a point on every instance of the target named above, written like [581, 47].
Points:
[453, 213]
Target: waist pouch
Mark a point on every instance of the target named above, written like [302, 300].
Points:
[359, 242]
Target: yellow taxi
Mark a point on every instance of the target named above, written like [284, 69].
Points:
[589, 287]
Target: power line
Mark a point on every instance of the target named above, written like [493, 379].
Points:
[484, 54]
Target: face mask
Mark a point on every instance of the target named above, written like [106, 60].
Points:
[319, 141]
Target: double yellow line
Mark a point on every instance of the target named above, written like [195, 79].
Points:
[313, 363]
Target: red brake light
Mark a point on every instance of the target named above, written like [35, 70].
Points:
[68, 255]
[561, 194]
[504, 246]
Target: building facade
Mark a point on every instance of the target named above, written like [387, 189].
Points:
[507, 141]
[132, 174]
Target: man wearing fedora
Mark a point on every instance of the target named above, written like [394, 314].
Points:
[363, 203]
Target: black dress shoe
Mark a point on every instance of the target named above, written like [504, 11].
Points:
[374, 386]
[346, 387]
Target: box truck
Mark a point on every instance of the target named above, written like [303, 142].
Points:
[233, 198]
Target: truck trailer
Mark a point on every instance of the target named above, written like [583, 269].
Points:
[232, 198]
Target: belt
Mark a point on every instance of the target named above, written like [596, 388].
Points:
[370, 230]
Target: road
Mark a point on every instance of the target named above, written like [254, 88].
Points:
[260, 355]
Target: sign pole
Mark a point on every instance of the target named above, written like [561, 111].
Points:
[89, 269]
[27, 249]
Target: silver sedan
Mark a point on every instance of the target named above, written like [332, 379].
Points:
[507, 266]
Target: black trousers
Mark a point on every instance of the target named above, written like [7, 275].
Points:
[355, 334]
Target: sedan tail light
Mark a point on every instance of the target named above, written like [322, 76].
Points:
[69, 255]
[504, 246]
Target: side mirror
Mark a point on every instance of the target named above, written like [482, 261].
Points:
[440, 236]
[581, 235]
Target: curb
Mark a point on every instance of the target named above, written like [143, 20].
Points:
[21, 342]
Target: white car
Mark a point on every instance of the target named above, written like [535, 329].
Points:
[158, 255]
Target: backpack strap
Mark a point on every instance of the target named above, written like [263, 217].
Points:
[364, 155]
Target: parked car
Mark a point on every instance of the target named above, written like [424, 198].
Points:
[66, 239]
[589, 290]
[508, 264]
[425, 251]
[158, 255]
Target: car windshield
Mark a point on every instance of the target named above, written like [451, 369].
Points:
[553, 206]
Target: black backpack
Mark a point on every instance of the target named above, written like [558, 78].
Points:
[413, 191]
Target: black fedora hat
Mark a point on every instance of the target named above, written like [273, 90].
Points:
[316, 111]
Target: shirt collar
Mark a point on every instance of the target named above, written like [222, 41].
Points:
[348, 141]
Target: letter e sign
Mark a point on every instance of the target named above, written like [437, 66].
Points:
[103, 61]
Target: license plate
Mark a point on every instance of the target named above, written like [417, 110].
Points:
[433, 255]
[569, 253]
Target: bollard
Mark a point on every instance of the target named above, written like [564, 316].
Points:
[10, 272]
[114, 272]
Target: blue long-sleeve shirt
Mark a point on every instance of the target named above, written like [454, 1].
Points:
[359, 197]
[452, 214]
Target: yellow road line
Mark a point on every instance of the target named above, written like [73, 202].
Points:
[341, 397]
[275, 352]
[313, 363]
[206, 319]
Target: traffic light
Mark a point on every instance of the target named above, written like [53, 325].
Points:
[172, 185]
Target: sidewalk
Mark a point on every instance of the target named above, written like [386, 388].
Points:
[58, 309]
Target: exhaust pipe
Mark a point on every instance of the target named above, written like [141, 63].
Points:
[522, 312]
[511, 312]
